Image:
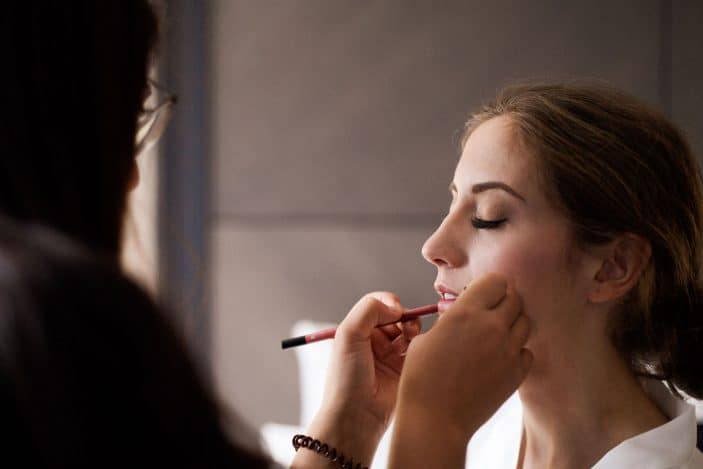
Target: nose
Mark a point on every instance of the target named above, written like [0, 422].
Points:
[446, 247]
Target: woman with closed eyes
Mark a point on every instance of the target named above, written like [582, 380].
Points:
[589, 204]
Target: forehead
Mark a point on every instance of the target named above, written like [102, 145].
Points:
[493, 153]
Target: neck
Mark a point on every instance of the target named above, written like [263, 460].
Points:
[579, 406]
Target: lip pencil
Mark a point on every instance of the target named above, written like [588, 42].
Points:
[324, 334]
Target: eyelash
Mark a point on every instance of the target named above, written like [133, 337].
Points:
[481, 224]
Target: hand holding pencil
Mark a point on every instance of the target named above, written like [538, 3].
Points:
[362, 379]
[408, 315]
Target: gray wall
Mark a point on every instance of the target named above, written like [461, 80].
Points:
[334, 136]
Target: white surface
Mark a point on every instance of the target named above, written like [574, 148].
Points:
[278, 439]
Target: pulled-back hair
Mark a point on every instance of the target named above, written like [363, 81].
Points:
[615, 166]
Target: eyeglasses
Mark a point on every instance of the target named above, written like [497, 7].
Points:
[152, 121]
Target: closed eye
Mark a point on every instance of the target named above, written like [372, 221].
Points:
[482, 224]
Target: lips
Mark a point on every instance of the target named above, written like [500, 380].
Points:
[447, 296]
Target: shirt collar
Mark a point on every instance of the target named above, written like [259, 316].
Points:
[668, 445]
[497, 443]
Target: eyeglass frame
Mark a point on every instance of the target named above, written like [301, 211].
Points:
[148, 132]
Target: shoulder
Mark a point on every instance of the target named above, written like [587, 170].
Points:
[696, 461]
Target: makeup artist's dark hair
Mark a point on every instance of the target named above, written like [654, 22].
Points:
[91, 372]
[615, 166]
[73, 82]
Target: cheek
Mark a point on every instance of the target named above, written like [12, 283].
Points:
[535, 261]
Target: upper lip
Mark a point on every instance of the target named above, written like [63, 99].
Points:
[442, 289]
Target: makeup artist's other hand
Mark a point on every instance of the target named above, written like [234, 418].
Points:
[457, 374]
[363, 375]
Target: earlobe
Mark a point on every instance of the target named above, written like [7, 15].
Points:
[622, 265]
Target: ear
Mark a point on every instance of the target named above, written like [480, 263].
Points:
[622, 262]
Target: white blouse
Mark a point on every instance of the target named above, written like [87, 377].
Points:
[496, 445]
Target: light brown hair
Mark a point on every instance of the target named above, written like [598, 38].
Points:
[615, 166]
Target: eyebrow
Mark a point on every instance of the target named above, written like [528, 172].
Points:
[484, 186]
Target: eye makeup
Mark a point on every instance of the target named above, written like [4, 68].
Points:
[489, 214]
[482, 224]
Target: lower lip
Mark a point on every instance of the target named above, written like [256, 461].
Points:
[444, 305]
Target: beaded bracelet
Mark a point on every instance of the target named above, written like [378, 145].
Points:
[323, 449]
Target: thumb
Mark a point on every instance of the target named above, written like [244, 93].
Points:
[484, 292]
[368, 313]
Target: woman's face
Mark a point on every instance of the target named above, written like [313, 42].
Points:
[501, 221]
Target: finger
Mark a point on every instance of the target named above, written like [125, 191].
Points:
[400, 345]
[391, 330]
[484, 292]
[382, 347]
[392, 301]
[408, 328]
[509, 309]
[411, 329]
[389, 299]
[390, 353]
[520, 331]
[363, 318]
[394, 356]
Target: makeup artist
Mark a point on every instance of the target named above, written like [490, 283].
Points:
[73, 87]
